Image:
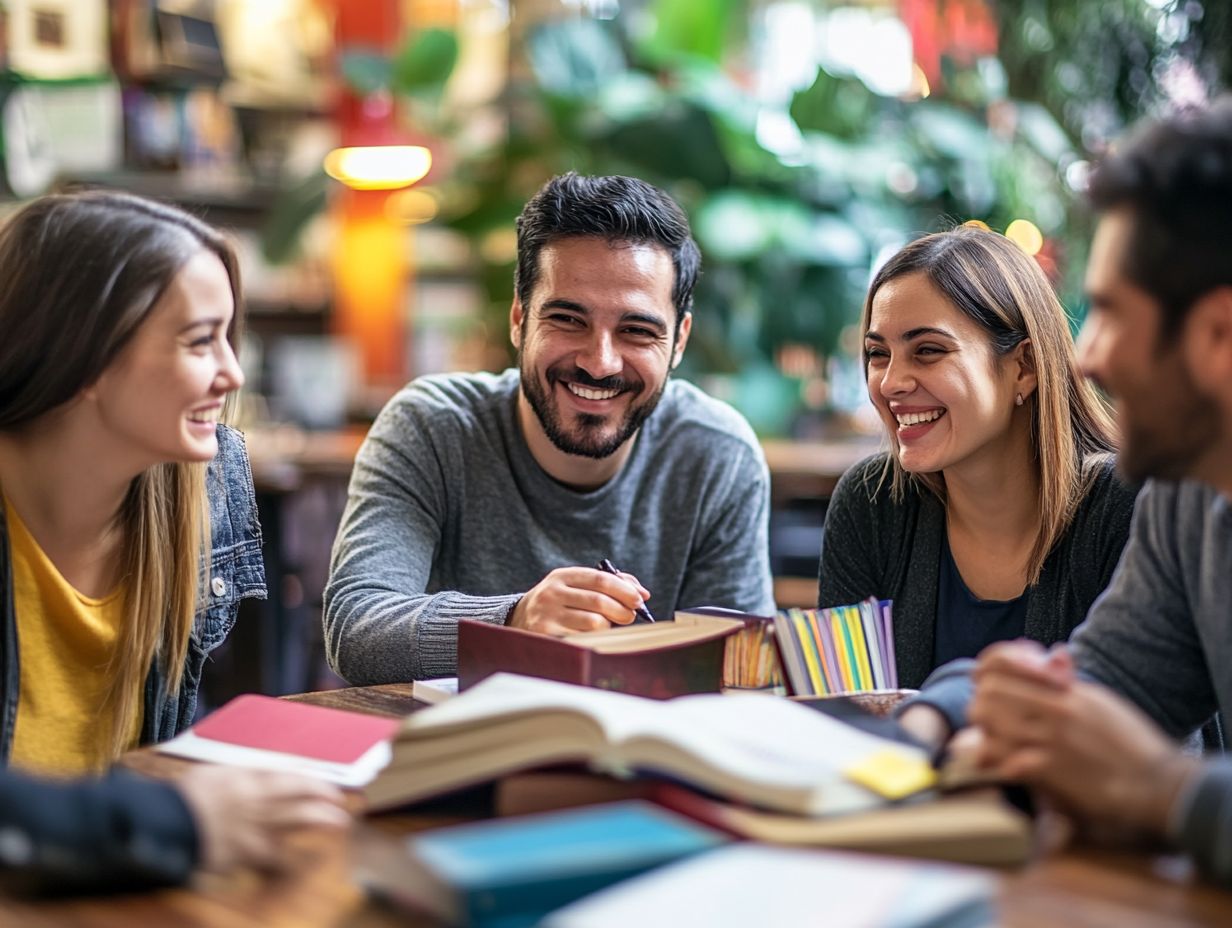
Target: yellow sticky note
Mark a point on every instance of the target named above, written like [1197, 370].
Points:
[892, 774]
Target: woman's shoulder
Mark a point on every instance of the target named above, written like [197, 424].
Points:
[1106, 489]
[867, 487]
[1107, 506]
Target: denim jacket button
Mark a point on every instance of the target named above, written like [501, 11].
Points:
[218, 585]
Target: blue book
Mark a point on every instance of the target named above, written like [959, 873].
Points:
[509, 873]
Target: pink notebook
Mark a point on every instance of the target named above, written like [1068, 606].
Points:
[347, 748]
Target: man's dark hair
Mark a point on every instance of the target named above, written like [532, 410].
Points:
[618, 209]
[1174, 177]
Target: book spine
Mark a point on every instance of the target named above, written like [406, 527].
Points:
[846, 654]
[872, 638]
[859, 644]
[817, 637]
[816, 682]
[789, 654]
[826, 640]
[886, 610]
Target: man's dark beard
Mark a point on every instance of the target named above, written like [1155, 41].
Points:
[587, 439]
[1171, 448]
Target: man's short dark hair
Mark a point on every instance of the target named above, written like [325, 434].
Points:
[618, 209]
[1174, 177]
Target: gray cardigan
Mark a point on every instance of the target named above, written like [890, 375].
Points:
[876, 546]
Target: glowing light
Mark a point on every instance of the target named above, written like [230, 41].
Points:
[919, 83]
[411, 207]
[977, 224]
[381, 167]
[1025, 234]
[500, 246]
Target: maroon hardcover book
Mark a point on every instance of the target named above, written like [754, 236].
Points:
[660, 661]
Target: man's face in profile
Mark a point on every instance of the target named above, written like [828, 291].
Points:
[598, 342]
[1166, 423]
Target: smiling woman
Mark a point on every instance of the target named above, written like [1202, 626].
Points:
[116, 327]
[118, 485]
[996, 513]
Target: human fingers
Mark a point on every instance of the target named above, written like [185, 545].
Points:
[1017, 709]
[305, 812]
[1022, 659]
[582, 620]
[276, 785]
[925, 724]
[645, 593]
[1025, 765]
[627, 592]
[1061, 662]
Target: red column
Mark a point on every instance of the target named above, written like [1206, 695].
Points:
[371, 271]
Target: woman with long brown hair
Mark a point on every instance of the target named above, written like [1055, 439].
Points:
[128, 536]
[996, 513]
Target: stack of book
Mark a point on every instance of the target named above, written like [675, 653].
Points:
[750, 661]
[846, 649]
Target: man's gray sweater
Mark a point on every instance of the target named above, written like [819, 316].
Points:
[450, 517]
[1161, 635]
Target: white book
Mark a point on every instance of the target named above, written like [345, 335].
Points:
[435, 690]
[749, 884]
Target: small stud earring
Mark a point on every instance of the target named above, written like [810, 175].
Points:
[1018, 399]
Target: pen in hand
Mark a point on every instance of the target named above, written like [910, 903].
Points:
[641, 612]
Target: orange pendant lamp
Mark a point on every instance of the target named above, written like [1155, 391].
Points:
[372, 273]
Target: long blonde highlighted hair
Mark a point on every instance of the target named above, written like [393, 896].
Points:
[993, 282]
[81, 272]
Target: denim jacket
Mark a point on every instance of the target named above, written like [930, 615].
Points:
[236, 572]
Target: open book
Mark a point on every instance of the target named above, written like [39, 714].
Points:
[754, 748]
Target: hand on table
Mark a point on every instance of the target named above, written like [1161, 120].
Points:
[243, 815]
[579, 599]
[926, 725]
[1090, 751]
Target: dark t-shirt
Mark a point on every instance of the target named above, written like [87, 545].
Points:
[967, 624]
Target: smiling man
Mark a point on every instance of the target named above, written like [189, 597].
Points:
[492, 497]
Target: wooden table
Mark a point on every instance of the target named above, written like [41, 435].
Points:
[1079, 887]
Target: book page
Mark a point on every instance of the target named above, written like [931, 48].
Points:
[622, 639]
[784, 747]
[503, 696]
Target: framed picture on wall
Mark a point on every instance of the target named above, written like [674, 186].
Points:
[57, 39]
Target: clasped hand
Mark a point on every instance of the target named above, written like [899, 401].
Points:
[1089, 750]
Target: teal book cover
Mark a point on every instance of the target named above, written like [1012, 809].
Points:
[509, 873]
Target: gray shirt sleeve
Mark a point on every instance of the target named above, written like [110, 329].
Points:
[1142, 641]
[730, 567]
[1140, 638]
[380, 624]
[1202, 820]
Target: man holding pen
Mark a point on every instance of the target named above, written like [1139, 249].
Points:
[490, 496]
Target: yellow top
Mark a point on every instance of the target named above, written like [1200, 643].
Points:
[66, 642]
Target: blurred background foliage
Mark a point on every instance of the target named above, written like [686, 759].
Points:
[800, 164]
